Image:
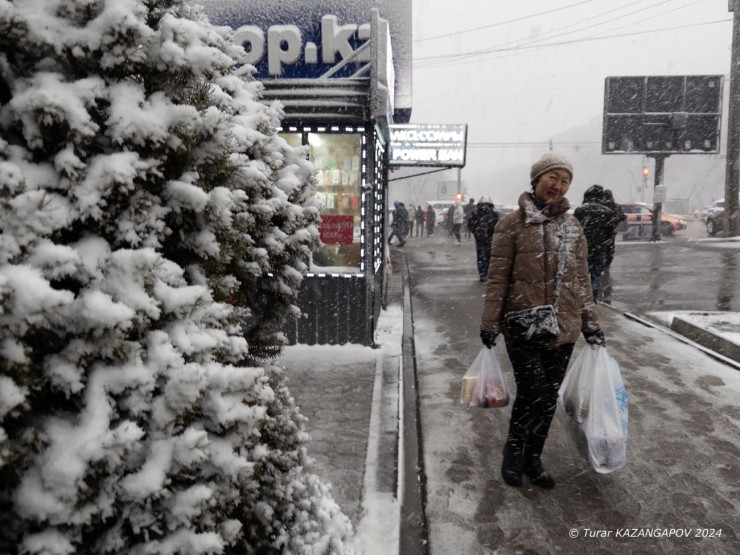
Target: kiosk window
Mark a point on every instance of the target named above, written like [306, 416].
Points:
[336, 157]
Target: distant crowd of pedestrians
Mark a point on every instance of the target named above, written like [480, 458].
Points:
[404, 221]
[599, 217]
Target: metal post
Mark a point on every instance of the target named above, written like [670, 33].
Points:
[732, 172]
[459, 181]
[657, 206]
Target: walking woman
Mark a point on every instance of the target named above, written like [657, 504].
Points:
[538, 259]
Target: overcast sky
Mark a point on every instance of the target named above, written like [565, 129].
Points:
[523, 73]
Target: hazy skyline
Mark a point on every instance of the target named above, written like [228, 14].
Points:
[523, 74]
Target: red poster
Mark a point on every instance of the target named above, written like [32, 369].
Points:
[336, 229]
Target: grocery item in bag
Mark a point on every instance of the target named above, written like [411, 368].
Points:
[593, 409]
[483, 385]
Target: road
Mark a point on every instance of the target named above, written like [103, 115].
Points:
[686, 271]
[683, 465]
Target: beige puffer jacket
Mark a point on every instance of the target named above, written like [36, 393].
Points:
[523, 266]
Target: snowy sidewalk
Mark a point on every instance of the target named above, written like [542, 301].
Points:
[350, 395]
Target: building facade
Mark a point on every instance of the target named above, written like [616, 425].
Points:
[331, 65]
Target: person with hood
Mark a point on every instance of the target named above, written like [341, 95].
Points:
[457, 220]
[538, 258]
[619, 217]
[599, 224]
[419, 221]
[481, 224]
[399, 223]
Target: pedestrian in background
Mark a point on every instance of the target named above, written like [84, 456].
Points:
[457, 220]
[481, 224]
[618, 215]
[448, 219]
[419, 221]
[531, 246]
[430, 219]
[399, 223]
[599, 224]
[469, 209]
[410, 221]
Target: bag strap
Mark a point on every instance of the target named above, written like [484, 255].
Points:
[561, 265]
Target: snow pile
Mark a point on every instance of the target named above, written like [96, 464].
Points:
[153, 237]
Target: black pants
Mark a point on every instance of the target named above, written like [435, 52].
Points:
[538, 372]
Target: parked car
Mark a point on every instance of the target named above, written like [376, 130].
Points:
[714, 217]
[637, 212]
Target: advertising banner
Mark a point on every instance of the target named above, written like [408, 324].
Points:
[673, 114]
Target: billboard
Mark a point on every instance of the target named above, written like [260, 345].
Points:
[428, 145]
[662, 114]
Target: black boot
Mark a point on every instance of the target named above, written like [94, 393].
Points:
[533, 468]
[511, 467]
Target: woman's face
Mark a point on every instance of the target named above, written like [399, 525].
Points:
[552, 186]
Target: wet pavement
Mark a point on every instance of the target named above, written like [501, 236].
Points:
[683, 470]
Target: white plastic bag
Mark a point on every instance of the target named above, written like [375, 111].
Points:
[593, 409]
[483, 384]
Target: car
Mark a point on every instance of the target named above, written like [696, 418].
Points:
[640, 212]
[714, 216]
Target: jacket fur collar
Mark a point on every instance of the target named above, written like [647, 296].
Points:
[533, 215]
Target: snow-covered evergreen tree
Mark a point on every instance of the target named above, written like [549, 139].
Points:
[142, 190]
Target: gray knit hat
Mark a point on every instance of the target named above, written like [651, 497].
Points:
[549, 161]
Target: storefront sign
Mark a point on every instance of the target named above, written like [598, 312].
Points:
[296, 39]
[428, 145]
[287, 45]
[336, 229]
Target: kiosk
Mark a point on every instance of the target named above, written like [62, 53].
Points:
[332, 67]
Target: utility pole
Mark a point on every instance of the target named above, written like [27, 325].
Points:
[657, 198]
[732, 172]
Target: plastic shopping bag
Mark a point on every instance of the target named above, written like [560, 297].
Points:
[483, 384]
[593, 409]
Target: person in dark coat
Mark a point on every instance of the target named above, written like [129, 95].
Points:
[598, 225]
[400, 215]
[481, 224]
[419, 221]
[431, 218]
[618, 217]
[468, 211]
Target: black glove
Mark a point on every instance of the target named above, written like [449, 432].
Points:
[488, 338]
[595, 338]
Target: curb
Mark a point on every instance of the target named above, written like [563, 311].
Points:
[689, 334]
[414, 533]
[706, 339]
[714, 354]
